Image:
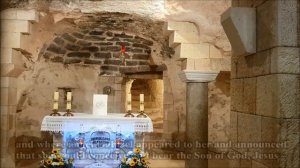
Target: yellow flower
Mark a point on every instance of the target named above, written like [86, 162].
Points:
[55, 151]
[137, 150]
[49, 161]
[71, 160]
[61, 163]
[124, 160]
[131, 163]
[134, 159]
[144, 160]
[59, 157]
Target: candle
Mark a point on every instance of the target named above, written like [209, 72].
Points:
[141, 97]
[55, 106]
[56, 96]
[141, 102]
[129, 102]
[68, 106]
[69, 96]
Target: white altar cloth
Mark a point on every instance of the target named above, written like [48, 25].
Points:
[84, 122]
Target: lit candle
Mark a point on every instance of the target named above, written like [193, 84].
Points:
[56, 96]
[55, 106]
[69, 96]
[68, 106]
[141, 102]
[129, 102]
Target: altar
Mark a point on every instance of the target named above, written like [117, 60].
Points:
[96, 141]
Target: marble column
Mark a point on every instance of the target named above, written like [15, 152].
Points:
[197, 116]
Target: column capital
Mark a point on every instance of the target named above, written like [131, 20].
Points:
[198, 76]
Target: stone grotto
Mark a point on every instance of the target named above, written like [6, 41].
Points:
[150, 83]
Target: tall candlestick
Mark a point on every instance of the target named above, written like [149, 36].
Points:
[55, 106]
[128, 113]
[69, 96]
[56, 96]
[129, 102]
[68, 106]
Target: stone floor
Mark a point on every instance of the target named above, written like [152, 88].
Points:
[167, 163]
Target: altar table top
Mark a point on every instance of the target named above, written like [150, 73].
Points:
[84, 122]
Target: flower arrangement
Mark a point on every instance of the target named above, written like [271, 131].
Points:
[135, 159]
[56, 160]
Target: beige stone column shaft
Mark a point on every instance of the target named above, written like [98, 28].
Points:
[197, 116]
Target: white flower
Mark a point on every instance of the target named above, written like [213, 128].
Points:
[142, 154]
[128, 160]
[55, 164]
[130, 153]
[53, 156]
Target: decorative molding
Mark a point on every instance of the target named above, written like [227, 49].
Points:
[239, 24]
[198, 76]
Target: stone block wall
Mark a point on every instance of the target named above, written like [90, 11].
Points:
[265, 88]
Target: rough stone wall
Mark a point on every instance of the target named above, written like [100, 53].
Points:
[219, 110]
[101, 48]
[157, 91]
[265, 87]
[199, 12]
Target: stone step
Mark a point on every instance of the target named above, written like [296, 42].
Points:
[21, 26]
[139, 91]
[181, 32]
[157, 119]
[160, 130]
[139, 87]
[137, 98]
[183, 51]
[158, 163]
[149, 106]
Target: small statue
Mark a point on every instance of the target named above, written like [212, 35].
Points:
[122, 56]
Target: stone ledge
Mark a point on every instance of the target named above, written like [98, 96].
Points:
[192, 50]
[198, 76]
[8, 96]
[240, 27]
[18, 14]
[14, 40]
[8, 82]
[11, 70]
[21, 26]
[139, 69]
[11, 56]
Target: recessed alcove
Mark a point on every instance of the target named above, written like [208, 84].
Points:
[153, 99]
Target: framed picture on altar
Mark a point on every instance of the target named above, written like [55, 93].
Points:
[100, 104]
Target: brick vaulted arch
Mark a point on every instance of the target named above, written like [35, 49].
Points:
[103, 48]
[96, 39]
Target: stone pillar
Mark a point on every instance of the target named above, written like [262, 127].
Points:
[15, 29]
[197, 116]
